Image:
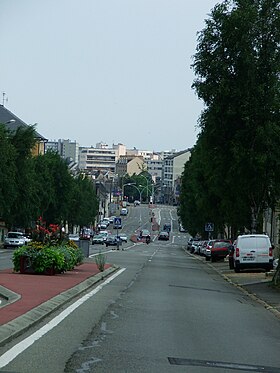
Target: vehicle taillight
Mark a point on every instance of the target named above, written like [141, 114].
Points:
[237, 252]
[270, 251]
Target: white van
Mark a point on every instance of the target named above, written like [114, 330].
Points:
[252, 251]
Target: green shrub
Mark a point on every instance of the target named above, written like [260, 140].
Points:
[100, 261]
[42, 258]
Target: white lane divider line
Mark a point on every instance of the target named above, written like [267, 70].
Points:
[11, 354]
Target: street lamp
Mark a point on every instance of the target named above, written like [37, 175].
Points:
[131, 184]
[147, 180]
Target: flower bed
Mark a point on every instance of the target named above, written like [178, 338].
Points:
[38, 258]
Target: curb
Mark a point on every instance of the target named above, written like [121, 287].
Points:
[253, 296]
[19, 325]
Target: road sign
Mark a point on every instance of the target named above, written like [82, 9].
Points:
[209, 227]
[117, 221]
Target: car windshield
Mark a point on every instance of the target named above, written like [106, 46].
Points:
[145, 231]
[14, 235]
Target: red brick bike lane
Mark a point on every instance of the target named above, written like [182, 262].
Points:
[37, 289]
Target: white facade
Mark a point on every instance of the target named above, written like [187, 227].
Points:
[154, 167]
[173, 167]
[97, 159]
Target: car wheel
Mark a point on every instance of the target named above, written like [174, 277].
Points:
[236, 268]
[207, 258]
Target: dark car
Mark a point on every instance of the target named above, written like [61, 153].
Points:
[167, 227]
[111, 240]
[217, 249]
[144, 234]
[163, 236]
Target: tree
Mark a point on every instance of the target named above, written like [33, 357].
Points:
[237, 64]
[53, 187]
[8, 187]
[22, 208]
[83, 206]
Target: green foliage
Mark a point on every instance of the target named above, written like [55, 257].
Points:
[42, 258]
[8, 187]
[234, 173]
[23, 141]
[143, 184]
[100, 261]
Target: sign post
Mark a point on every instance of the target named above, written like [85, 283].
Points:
[118, 223]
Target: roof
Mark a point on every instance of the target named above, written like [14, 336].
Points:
[12, 122]
[178, 154]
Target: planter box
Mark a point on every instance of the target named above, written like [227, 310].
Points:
[26, 268]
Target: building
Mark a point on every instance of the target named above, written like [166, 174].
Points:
[98, 159]
[173, 167]
[67, 149]
[130, 165]
[12, 123]
[154, 167]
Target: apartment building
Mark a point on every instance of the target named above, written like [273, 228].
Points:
[173, 167]
[130, 165]
[98, 159]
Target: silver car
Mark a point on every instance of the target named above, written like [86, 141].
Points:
[15, 239]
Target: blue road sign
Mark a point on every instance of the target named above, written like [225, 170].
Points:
[117, 221]
[209, 227]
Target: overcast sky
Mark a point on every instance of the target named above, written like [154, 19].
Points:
[112, 71]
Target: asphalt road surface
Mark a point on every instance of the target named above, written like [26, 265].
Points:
[164, 311]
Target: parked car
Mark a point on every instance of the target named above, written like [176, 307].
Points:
[194, 247]
[202, 247]
[86, 234]
[217, 249]
[15, 239]
[137, 203]
[251, 251]
[111, 219]
[189, 244]
[163, 236]
[104, 224]
[73, 237]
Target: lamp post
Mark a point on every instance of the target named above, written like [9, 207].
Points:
[131, 184]
[147, 181]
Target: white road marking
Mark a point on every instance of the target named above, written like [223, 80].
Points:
[11, 354]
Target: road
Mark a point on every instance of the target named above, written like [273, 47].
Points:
[165, 311]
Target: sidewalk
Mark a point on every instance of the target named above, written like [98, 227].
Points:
[27, 299]
[255, 284]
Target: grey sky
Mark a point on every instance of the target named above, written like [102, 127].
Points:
[116, 71]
